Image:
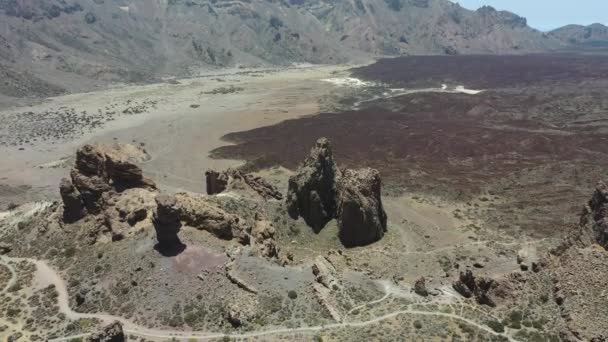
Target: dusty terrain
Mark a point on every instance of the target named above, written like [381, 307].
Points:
[176, 123]
[476, 176]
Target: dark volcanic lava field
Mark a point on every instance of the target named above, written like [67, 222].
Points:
[487, 71]
[538, 147]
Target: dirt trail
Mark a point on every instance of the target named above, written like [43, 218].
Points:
[46, 275]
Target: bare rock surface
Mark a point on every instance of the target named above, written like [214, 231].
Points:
[197, 212]
[99, 170]
[73, 206]
[318, 193]
[218, 182]
[312, 190]
[361, 216]
[595, 214]
[263, 237]
[110, 333]
[167, 223]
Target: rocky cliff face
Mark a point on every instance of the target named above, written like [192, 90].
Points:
[594, 219]
[318, 193]
[105, 184]
[94, 41]
[312, 191]
[361, 216]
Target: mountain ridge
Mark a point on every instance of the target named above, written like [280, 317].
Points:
[80, 44]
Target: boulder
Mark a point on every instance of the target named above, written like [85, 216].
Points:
[5, 248]
[361, 216]
[479, 288]
[73, 207]
[110, 333]
[312, 190]
[420, 287]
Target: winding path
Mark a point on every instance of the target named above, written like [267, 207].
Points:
[48, 276]
[13, 278]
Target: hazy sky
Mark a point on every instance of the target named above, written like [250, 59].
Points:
[549, 14]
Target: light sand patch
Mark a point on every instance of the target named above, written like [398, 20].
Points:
[179, 130]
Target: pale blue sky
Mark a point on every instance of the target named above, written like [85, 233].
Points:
[549, 14]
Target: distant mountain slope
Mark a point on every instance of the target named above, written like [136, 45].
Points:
[82, 43]
[578, 34]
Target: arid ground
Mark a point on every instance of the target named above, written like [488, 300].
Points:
[486, 163]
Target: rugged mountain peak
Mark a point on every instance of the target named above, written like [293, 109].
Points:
[312, 190]
[201, 34]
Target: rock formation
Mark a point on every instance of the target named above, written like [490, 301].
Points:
[197, 212]
[98, 170]
[73, 207]
[326, 282]
[420, 287]
[595, 215]
[167, 224]
[110, 333]
[361, 216]
[479, 288]
[5, 248]
[312, 190]
[318, 193]
[218, 182]
[263, 238]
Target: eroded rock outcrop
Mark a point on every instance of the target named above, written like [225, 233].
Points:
[106, 184]
[326, 282]
[110, 333]
[361, 216]
[595, 215]
[318, 193]
[197, 212]
[263, 238]
[99, 170]
[218, 182]
[480, 288]
[420, 287]
[73, 206]
[312, 190]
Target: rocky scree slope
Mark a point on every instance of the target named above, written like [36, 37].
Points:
[84, 43]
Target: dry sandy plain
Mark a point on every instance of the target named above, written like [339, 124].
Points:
[179, 122]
